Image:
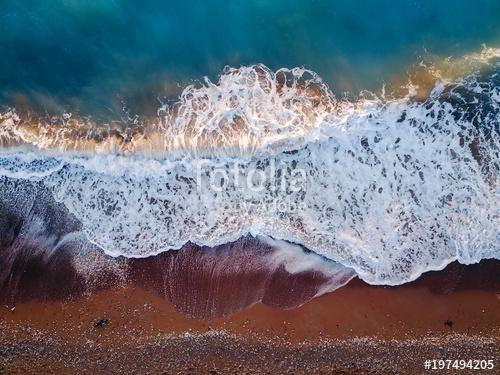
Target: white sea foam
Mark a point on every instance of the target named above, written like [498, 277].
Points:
[391, 188]
[293, 258]
[252, 111]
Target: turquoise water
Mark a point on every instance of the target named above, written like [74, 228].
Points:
[92, 57]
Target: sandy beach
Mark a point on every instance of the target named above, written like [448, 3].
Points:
[184, 319]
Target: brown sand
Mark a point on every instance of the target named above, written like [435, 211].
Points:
[136, 327]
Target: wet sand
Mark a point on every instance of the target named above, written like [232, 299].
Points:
[189, 312]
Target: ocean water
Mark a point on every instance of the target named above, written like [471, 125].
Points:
[366, 132]
[92, 56]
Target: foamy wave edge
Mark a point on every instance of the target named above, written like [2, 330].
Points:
[355, 142]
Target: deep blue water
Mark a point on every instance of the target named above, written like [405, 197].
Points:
[90, 56]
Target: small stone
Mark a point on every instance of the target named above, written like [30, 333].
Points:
[101, 323]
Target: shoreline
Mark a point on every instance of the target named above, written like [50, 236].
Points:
[454, 303]
[448, 314]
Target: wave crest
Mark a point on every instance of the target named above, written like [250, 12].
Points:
[249, 110]
[391, 188]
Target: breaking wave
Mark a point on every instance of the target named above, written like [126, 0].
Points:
[390, 187]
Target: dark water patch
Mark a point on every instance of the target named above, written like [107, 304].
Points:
[205, 282]
[39, 241]
[457, 277]
[28, 274]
